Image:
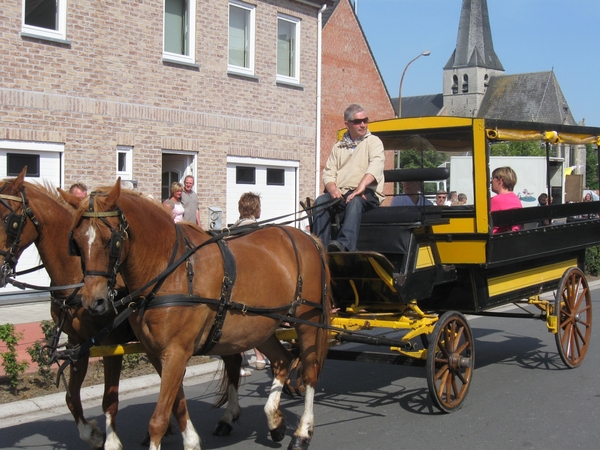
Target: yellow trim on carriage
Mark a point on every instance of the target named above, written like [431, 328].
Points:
[383, 274]
[471, 252]
[530, 277]
[425, 257]
[116, 350]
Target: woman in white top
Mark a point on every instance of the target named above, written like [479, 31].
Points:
[173, 204]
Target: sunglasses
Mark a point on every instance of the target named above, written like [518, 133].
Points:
[359, 121]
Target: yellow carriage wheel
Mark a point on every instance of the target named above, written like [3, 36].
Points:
[450, 361]
[574, 311]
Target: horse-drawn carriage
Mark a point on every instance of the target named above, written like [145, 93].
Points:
[421, 268]
[418, 270]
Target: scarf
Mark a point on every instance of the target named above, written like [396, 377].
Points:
[348, 143]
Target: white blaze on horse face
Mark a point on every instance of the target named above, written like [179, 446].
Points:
[91, 235]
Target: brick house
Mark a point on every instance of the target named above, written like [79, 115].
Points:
[224, 90]
[350, 75]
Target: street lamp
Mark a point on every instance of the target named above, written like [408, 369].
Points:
[425, 53]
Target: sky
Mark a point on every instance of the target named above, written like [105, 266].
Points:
[528, 36]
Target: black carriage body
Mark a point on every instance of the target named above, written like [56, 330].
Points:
[446, 257]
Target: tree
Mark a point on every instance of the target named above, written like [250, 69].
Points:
[518, 148]
[591, 167]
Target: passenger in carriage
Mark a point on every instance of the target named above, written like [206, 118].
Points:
[452, 198]
[353, 173]
[440, 198]
[412, 195]
[503, 183]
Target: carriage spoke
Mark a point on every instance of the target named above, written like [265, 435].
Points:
[573, 309]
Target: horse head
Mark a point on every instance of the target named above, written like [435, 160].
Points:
[18, 232]
[97, 237]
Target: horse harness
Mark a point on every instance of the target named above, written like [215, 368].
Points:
[13, 227]
[224, 303]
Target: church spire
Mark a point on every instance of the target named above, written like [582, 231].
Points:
[473, 64]
[474, 47]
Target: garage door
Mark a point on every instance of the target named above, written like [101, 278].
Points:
[275, 181]
[43, 164]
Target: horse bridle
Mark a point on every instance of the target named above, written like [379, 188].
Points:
[13, 228]
[116, 243]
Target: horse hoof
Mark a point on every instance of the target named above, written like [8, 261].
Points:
[277, 434]
[299, 443]
[222, 429]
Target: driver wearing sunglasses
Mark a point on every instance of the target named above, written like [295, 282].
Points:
[354, 173]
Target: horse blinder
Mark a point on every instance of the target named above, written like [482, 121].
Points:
[14, 222]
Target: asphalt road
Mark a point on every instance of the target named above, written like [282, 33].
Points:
[521, 397]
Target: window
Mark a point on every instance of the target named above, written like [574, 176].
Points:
[16, 161]
[275, 177]
[455, 84]
[180, 31]
[288, 49]
[167, 179]
[125, 162]
[241, 38]
[45, 19]
[465, 85]
[245, 175]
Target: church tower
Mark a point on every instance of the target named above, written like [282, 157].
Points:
[473, 62]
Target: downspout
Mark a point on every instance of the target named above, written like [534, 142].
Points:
[319, 71]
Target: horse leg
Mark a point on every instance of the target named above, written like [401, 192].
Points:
[280, 360]
[172, 399]
[110, 402]
[313, 346]
[229, 394]
[88, 431]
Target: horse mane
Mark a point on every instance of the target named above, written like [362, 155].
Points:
[43, 187]
[148, 201]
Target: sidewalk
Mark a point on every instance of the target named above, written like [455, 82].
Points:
[33, 409]
[26, 318]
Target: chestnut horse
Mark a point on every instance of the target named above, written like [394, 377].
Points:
[229, 296]
[46, 222]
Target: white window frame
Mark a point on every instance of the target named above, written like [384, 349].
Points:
[190, 57]
[296, 78]
[60, 34]
[127, 174]
[251, 11]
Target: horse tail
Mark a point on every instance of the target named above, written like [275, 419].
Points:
[230, 374]
[323, 332]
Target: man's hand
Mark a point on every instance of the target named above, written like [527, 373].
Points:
[333, 190]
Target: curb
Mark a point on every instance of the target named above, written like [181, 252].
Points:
[30, 410]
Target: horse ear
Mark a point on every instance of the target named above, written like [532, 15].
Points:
[114, 194]
[71, 199]
[18, 184]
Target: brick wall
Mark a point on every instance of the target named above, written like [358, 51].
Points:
[350, 75]
[109, 87]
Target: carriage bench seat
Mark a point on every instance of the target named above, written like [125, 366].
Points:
[387, 229]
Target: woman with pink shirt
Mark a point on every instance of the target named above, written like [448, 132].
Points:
[503, 182]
